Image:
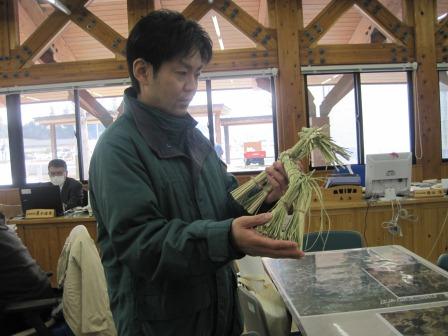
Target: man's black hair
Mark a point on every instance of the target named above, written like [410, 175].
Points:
[57, 163]
[162, 36]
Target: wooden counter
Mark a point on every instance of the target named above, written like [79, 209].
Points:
[418, 236]
[45, 237]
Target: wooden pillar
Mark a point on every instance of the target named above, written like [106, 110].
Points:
[53, 142]
[227, 144]
[291, 113]
[138, 9]
[426, 88]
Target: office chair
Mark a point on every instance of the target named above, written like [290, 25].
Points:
[333, 240]
[442, 262]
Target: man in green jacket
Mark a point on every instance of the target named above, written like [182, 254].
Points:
[167, 225]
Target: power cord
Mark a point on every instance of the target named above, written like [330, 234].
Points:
[392, 225]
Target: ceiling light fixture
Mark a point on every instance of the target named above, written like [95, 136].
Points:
[59, 5]
[218, 31]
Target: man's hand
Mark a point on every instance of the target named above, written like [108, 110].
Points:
[278, 180]
[249, 241]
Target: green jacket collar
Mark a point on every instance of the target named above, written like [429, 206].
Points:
[159, 129]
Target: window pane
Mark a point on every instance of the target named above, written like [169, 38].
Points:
[243, 125]
[443, 83]
[5, 162]
[385, 112]
[331, 101]
[99, 107]
[48, 121]
[198, 109]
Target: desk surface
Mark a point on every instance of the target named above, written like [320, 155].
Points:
[385, 290]
[69, 218]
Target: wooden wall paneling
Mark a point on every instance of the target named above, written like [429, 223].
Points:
[322, 23]
[356, 54]
[42, 243]
[9, 196]
[262, 36]
[138, 9]
[386, 20]
[426, 85]
[291, 112]
[430, 221]
[196, 10]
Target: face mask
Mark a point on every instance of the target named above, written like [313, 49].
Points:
[57, 180]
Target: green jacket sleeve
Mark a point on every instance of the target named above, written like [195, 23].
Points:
[149, 244]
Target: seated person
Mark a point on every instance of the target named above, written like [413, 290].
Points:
[21, 278]
[71, 190]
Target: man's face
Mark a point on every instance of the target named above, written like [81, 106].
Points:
[57, 171]
[174, 85]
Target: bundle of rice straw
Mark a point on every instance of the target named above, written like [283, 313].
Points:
[298, 197]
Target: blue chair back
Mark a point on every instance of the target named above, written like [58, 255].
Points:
[335, 240]
[442, 262]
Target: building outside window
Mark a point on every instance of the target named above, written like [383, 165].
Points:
[367, 113]
[48, 122]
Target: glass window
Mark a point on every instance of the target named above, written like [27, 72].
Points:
[5, 162]
[331, 101]
[198, 109]
[385, 112]
[244, 136]
[443, 84]
[99, 107]
[48, 121]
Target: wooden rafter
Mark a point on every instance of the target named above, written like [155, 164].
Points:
[37, 16]
[196, 10]
[322, 23]
[39, 41]
[262, 36]
[102, 32]
[342, 87]
[361, 35]
[138, 9]
[356, 53]
[113, 69]
[387, 21]
[242, 59]
[66, 72]
[92, 106]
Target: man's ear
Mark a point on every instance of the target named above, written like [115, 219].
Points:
[143, 71]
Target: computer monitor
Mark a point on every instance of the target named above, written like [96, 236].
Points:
[45, 196]
[391, 170]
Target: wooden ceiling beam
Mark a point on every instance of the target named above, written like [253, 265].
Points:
[55, 73]
[99, 30]
[38, 74]
[255, 31]
[38, 42]
[322, 23]
[61, 51]
[92, 106]
[138, 9]
[397, 30]
[196, 10]
[340, 89]
[356, 54]
[9, 30]
[242, 59]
